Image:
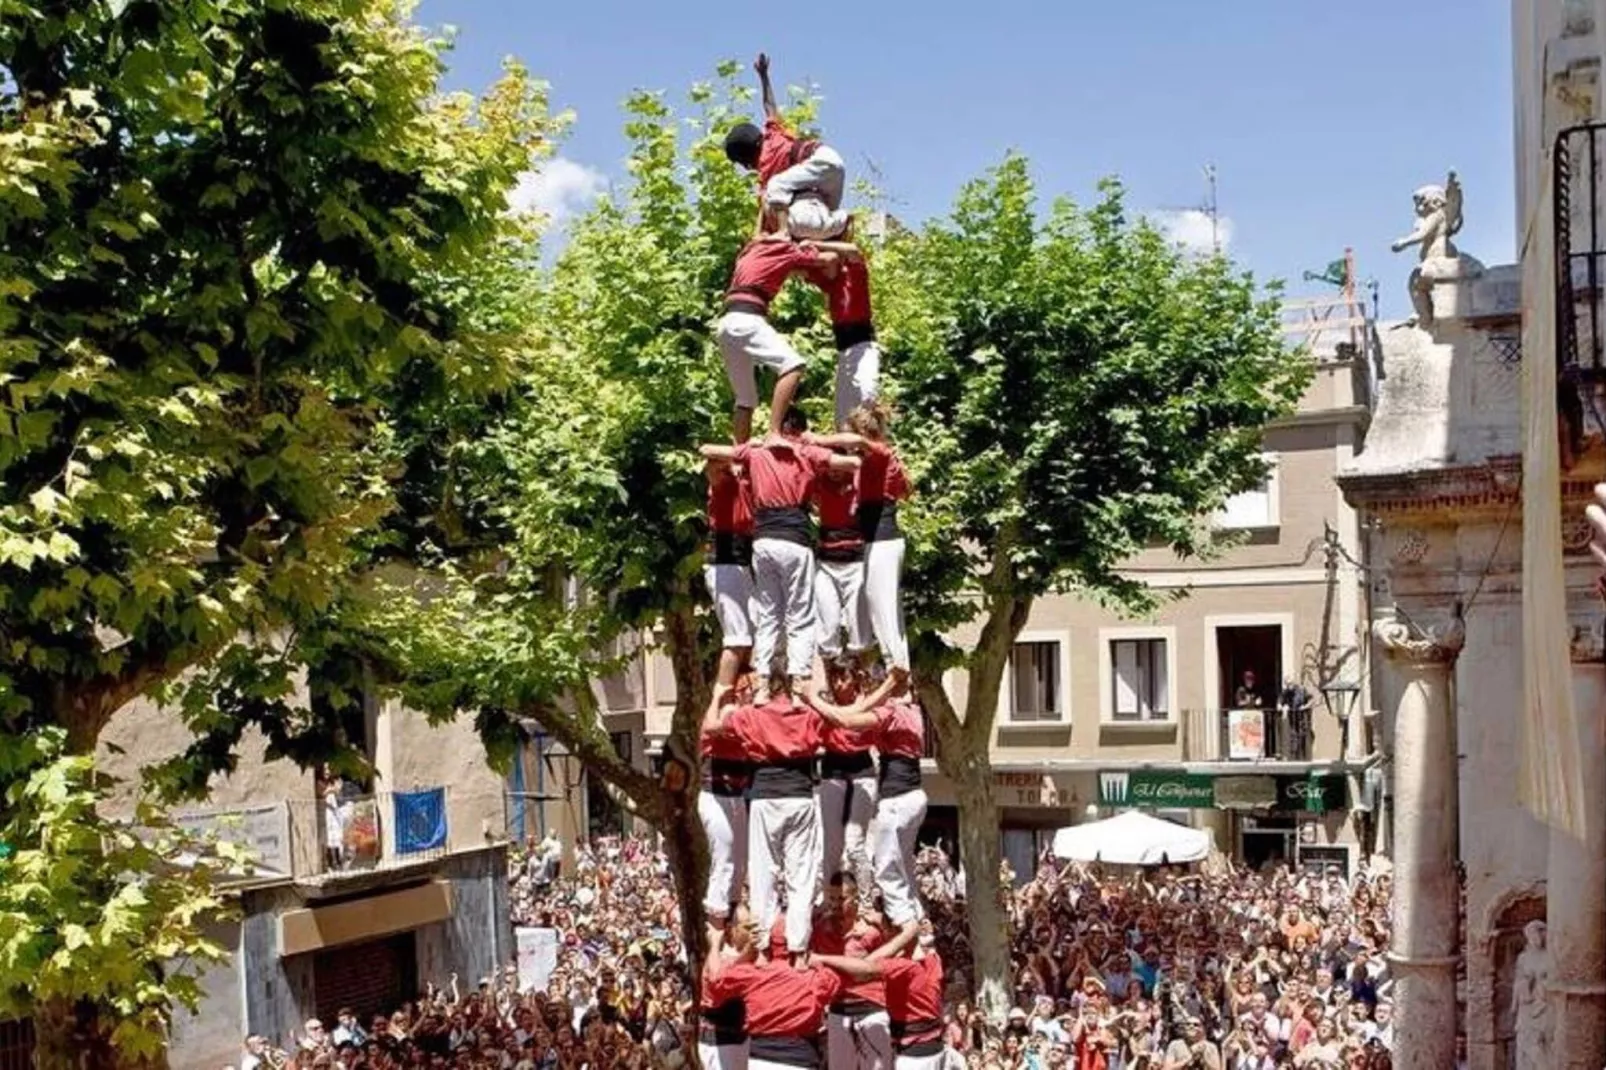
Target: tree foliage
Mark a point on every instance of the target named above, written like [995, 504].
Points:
[1072, 388]
[132, 951]
[242, 253]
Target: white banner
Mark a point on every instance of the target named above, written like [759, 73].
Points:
[538, 957]
[263, 830]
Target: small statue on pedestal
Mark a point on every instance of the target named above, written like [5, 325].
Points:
[1438, 219]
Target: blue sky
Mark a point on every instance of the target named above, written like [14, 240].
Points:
[1320, 118]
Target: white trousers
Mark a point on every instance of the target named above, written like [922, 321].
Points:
[724, 820]
[731, 587]
[839, 603]
[847, 809]
[783, 601]
[883, 579]
[897, 827]
[723, 1056]
[861, 1042]
[747, 339]
[858, 377]
[783, 838]
[939, 1061]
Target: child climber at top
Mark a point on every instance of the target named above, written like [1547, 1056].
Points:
[801, 181]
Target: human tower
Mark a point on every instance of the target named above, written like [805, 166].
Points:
[811, 795]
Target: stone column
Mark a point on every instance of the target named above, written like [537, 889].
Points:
[1427, 889]
[1575, 882]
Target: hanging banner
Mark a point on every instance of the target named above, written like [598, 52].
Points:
[537, 956]
[420, 820]
[1246, 735]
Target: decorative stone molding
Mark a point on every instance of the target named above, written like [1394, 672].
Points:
[1412, 547]
[1575, 532]
[1587, 642]
[1405, 640]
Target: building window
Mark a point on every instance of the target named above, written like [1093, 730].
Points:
[1035, 682]
[1142, 691]
[1257, 508]
[606, 816]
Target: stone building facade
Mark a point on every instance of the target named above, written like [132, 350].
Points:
[1471, 487]
[362, 893]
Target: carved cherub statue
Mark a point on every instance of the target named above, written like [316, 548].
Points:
[1438, 219]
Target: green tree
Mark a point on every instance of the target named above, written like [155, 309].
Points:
[235, 236]
[1071, 389]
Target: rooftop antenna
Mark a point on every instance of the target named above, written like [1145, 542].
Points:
[1209, 209]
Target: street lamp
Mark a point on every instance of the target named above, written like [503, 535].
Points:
[1340, 696]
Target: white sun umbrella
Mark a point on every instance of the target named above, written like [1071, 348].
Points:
[1131, 839]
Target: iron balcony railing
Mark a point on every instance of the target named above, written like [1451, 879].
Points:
[1267, 734]
[1580, 251]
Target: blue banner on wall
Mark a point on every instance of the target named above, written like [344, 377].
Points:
[420, 820]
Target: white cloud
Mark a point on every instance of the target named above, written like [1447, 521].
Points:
[1190, 228]
[559, 189]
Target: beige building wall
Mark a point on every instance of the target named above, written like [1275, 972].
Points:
[406, 751]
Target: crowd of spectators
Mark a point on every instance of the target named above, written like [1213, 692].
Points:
[1161, 969]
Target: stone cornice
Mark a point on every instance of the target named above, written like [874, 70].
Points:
[1406, 640]
[1494, 484]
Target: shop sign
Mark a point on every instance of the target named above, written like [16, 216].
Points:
[1157, 788]
[1311, 794]
[1246, 792]
[1029, 789]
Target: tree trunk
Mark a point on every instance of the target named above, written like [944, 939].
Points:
[979, 852]
[70, 1036]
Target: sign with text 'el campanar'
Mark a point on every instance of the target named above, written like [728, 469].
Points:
[1177, 790]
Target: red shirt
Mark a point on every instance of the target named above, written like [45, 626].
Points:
[838, 501]
[780, 149]
[781, 1001]
[881, 475]
[730, 504]
[785, 475]
[856, 944]
[900, 729]
[838, 740]
[781, 730]
[723, 745]
[847, 293]
[762, 268]
[914, 990]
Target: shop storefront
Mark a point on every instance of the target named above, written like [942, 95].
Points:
[1031, 807]
[1281, 819]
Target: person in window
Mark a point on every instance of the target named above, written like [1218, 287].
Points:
[1247, 697]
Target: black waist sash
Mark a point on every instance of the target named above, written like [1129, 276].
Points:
[789, 523]
[789, 1051]
[845, 766]
[849, 335]
[920, 1037]
[787, 779]
[853, 1007]
[724, 1024]
[878, 521]
[729, 548]
[898, 775]
[729, 777]
[840, 544]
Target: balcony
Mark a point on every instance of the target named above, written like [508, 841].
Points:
[1277, 734]
[343, 834]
